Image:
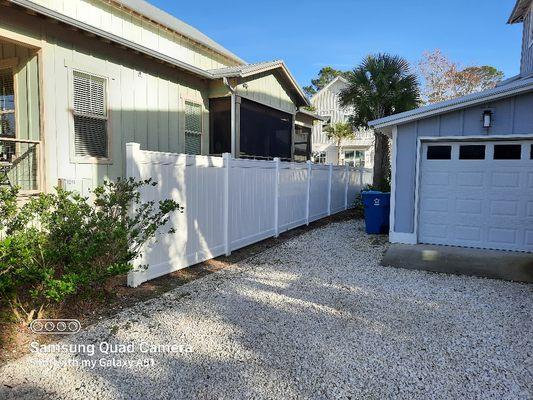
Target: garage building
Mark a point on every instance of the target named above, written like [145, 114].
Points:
[462, 170]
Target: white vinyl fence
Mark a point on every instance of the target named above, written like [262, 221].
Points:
[231, 203]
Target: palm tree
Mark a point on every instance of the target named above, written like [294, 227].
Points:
[338, 133]
[380, 86]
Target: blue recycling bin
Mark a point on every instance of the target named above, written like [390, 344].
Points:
[377, 210]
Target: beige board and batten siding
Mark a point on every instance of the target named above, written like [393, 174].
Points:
[133, 27]
[265, 88]
[145, 100]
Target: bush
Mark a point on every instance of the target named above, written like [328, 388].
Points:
[357, 205]
[57, 245]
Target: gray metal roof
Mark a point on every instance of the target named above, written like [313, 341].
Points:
[177, 25]
[256, 68]
[246, 69]
[520, 9]
[514, 87]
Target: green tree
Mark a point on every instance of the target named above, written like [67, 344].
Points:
[325, 76]
[380, 86]
[338, 133]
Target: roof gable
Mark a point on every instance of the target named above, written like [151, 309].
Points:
[337, 79]
[247, 70]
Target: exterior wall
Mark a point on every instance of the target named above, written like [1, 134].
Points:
[145, 99]
[511, 116]
[526, 64]
[326, 103]
[132, 27]
[267, 89]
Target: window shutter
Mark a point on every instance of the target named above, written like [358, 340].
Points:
[193, 128]
[90, 116]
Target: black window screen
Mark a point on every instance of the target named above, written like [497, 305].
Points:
[302, 143]
[265, 132]
[220, 125]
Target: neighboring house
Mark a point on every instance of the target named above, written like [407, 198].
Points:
[79, 79]
[462, 170]
[356, 152]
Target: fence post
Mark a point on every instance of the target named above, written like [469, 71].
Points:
[276, 198]
[330, 176]
[309, 167]
[132, 171]
[346, 179]
[361, 173]
[227, 167]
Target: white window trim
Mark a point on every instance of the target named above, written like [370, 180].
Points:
[72, 143]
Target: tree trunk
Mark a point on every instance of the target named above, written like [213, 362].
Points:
[381, 179]
[339, 152]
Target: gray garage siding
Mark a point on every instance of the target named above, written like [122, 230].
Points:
[511, 116]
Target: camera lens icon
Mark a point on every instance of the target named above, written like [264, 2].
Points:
[55, 326]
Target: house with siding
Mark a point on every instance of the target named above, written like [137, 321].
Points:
[79, 79]
[462, 170]
[358, 151]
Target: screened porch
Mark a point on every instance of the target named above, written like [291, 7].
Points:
[20, 144]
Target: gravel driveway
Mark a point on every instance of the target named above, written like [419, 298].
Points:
[315, 317]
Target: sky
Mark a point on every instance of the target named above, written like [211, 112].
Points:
[311, 34]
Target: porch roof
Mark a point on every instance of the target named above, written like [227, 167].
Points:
[246, 70]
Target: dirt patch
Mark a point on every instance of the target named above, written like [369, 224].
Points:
[116, 295]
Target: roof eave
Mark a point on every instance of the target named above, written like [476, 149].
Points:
[377, 125]
[519, 10]
[111, 37]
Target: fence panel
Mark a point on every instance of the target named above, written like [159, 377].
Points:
[292, 200]
[231, 203]
[251, 201]
[318, 207]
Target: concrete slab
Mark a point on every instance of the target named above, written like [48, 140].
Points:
[506, 265]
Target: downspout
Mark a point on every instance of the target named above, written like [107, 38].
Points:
[233, 118]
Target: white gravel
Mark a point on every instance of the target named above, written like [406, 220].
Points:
[316, 317]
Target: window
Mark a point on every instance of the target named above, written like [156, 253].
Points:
[472, 152]
[507, 151]
[90, 116]
[354, 158]
[193, 128]
[439, 152]
[531, 152]
[319, 157]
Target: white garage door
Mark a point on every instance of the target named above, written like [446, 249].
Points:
[477, 194]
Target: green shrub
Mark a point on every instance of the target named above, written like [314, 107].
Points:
[59, 244]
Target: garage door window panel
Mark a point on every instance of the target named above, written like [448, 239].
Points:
[439, 153]
[507, 151]
[472, 152]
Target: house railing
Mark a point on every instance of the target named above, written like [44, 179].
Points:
[231, 203]
[20, 163]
